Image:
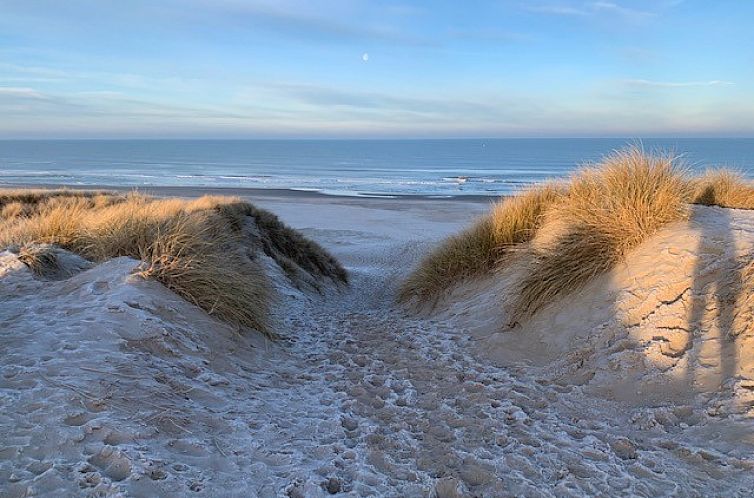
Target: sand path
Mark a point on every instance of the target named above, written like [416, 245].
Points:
[418, 415]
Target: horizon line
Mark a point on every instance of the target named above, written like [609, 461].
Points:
[377, 139]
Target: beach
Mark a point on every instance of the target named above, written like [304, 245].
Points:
[360, 397]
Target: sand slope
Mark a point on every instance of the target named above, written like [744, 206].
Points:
[105, 360]
[673, 322]
[114, 385]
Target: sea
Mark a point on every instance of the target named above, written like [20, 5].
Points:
[391, 168]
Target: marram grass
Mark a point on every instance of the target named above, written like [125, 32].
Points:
[201, 249]
[564, 234]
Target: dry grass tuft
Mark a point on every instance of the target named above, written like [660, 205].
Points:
[41, 259]
[193, 247]
[479, 249]
[724, 188]
[33, 198]
[562, 234]
[610, 209]
[195, 255]
[286, 246]
[50, 262]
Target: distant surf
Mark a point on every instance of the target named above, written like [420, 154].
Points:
[490, 167]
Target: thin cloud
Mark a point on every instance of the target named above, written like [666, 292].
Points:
[325, 97]
[558, 10]
[35, 71]
[25, 101]
[22, 93]
[677, 84]
[591, 9]
[28, 102]
[293, 20]
[489, 35]
[626, 12]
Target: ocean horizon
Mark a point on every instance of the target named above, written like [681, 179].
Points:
[359, 167]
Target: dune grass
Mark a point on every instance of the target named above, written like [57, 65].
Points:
[285, 245]
[563, 235]
[610, 209]
[205, 250]
[50, 262]
[480, 248]
[40, 258]
[723, 188]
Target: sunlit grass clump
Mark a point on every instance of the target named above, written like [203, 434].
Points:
[480, 248]
[610, 209]
[206, 250]
[723, 188]
[563, 235]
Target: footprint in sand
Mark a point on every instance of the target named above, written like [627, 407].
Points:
[77, 419]
[112, 462]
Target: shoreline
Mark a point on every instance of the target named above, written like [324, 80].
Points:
[259, 193]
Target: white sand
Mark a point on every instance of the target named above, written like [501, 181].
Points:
[115, 386]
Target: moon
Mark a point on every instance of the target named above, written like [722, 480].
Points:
[365, 57]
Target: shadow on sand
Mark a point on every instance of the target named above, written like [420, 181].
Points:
[715, 291]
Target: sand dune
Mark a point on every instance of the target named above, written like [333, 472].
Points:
[671, 323]
[114, 385]
[109, 377]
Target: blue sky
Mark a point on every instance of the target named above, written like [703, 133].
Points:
[361, 68]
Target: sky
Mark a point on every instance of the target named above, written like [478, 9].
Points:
[375, 69]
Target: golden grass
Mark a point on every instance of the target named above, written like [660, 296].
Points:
[563, 234]
[724, 188]
[286, 246]
[195, 255]
[484, 245]
[204, 249]
[37, 196]
[609, 210]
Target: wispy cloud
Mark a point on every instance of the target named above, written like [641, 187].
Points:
[17, 95]
[558, 10]
[19, 92]
[19, 103]
[29, 102]
[36, 71]
[489, 35]
[677, 84]
[591, 9]
[323, 96]
[625, 12]
[305, 21]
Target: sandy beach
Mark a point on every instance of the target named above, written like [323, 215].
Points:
[141, 393]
